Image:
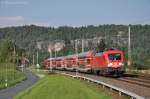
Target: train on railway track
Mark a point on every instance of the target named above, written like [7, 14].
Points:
[108, 62]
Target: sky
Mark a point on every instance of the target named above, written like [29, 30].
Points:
[73, 12]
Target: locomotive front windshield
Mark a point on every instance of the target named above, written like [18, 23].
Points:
[114, 57]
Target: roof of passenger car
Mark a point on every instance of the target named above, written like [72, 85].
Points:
[87, 54]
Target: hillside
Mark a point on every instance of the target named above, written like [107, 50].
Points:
[28, 37]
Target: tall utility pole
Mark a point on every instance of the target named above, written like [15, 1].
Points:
[82, 45]
[105, 37]
[33, 60]
[37, 65]
[37, 58]
[76, 46]
[55, 53]
[129, 46]
[76, 49]
[51, 60]
[6, 79]
[50, 55]
[14, 60]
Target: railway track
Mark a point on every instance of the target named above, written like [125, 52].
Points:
[128, 78]
[136, 80]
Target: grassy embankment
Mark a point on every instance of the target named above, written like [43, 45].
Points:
[9, 72]
[61, 87]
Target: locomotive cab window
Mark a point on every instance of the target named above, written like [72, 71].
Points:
[114, 57]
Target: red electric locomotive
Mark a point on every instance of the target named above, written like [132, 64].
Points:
[109, 62]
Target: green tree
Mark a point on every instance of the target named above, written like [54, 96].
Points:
[101, 45]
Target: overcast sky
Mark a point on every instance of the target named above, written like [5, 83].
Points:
[73, 12]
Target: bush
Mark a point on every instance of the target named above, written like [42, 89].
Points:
[8, 72]
[139, 66]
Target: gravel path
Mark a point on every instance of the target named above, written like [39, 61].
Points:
[9, 93]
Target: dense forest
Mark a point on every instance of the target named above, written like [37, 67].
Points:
[114, 36]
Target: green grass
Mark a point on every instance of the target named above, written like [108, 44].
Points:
[62, 87]
[9, 72]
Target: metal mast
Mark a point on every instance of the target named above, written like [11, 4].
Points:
[37, 58]
[129, 46]
[33, 60]
[76, 49]
[82, 45]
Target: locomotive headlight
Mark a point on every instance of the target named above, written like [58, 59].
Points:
[110, 64]
[120, 63]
